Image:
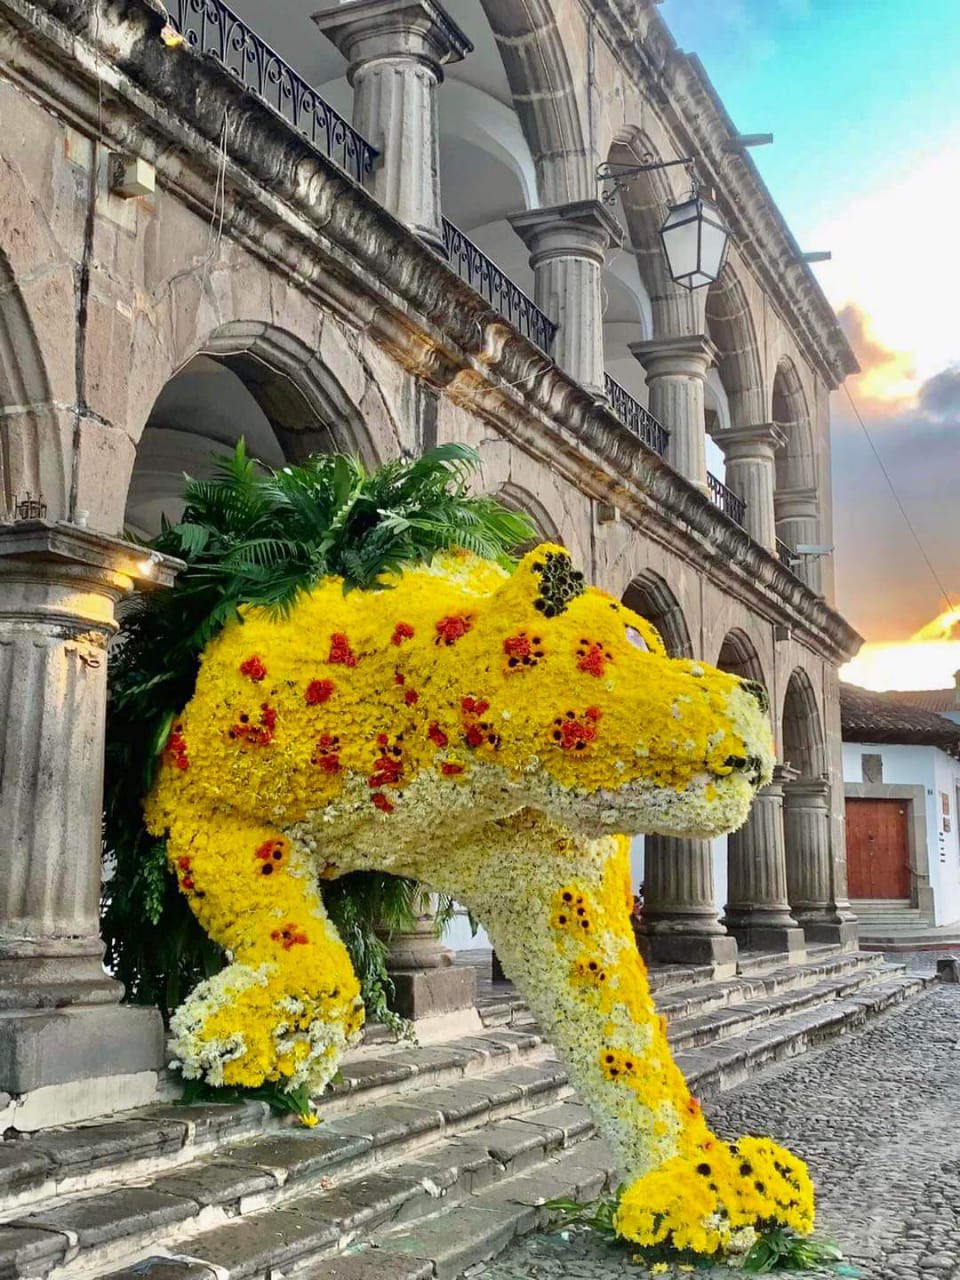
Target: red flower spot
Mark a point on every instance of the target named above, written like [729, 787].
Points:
[517, 646]
[260, 735]
[593, 661]
[329, 763]
[175, 752]
[450, 770]
[268, 717]
[290, 936]
[183, 864]
[474, 706]
[593, 713]
[453, 628]
[473, 736]
[186, 882]
[402, 631]
[253, 668]
[387, 772]
[382, 803]
[399, 678]
[266, 850]
[411, 697]
[382, 740]
[340, 651]
[318, 691]
[575, 736]
[436, 735]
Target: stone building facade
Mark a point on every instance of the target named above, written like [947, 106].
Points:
[195, 246]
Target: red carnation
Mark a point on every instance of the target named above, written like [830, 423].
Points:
[340, 651]
[402, 631]
[436, 735]
[411, 697]
[318, 691]
[453, 628]
[382, 803]
[450, 770]
[253, 667]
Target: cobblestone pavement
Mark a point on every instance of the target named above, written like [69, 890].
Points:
[877, 1115]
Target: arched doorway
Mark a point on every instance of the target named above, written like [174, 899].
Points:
[738, 655]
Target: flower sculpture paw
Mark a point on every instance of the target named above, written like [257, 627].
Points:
[489, 734]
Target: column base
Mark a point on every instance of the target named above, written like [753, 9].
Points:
[427, 993]
[718, 949]
[843, 934]
[779, 938]
[73, 1056]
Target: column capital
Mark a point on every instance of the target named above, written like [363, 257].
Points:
[582, 228]
[742, 443]
[681, 355]
[812, 792]
[797, 504]
[63, 574]
[367, 30]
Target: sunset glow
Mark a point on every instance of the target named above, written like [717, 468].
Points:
[927, 660]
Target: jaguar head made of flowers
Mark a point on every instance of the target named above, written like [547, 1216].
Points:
[482, 731]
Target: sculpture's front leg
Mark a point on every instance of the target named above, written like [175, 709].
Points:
[557, 909]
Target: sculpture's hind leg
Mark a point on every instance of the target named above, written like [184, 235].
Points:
[557, 909]
[289, 1002]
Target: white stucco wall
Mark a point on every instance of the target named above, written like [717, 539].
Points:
[937, 773]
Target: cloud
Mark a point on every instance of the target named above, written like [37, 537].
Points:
[939, 398]
[887, 378]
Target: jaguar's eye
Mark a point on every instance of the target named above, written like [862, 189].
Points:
[637, 640]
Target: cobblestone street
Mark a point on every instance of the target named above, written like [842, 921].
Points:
[875, 1115]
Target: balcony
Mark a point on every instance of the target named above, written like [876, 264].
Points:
[211, 28]
[478, 271]
[726, 499]
[635, 417]
[786, 555]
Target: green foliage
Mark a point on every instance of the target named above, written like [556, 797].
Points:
[780, 1249]
[251, 536]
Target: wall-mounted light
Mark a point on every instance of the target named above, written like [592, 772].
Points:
[148, 566]
[694, 233]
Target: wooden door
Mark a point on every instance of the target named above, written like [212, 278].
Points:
[878, 857]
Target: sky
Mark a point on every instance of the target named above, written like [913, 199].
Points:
[863, 99]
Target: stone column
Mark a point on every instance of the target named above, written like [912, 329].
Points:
[397, 50]
[426, 983]
[679, 923]
[567, 244]
[806, 825]
[758, 912]
[798, 525]
[676, 371]
[61, 1023]
[751, 474]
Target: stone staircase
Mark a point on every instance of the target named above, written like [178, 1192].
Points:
[427, 1161]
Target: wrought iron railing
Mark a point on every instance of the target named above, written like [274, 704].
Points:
[477, 270]
[635, 417]
[726, 499]
[786, 554]
[210, 27]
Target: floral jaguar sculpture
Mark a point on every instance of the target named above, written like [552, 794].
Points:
[490, 734]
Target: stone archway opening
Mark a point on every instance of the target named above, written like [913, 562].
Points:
[796, 498]
[738, 656]
[247, 382]
[650, 596]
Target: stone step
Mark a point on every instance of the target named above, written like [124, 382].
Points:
[55, 1163]
[331, 1218]
[385, 1228]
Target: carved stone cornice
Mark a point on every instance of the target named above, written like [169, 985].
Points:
[291, 208]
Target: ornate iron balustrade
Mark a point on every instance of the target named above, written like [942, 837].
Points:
[474, 267]
[726, 499]
[211, 27]
[635, 417]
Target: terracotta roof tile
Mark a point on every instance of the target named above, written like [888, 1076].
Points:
[866, 716]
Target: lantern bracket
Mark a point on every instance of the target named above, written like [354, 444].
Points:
[619, 175]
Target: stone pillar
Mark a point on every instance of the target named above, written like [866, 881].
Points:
[758, 912]
[751, 474]
[676, 371]
[426, 983]
[679, 923]
[567, 244]
[798, 524]
[397, 50]
[61, 1022]
[806, 825]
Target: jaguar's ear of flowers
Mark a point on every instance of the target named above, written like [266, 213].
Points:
[542, 587]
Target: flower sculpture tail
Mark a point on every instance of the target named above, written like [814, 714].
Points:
[289, 1003]
[567, 942]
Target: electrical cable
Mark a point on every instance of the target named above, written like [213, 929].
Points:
[896, 497]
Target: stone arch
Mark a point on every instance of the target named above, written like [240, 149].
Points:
[731, 329]
[796, 495]
[544, 92]
[248, 379]
[650, 596]
[523, 502]
[32, 457]
[804, 744]
[738, 655]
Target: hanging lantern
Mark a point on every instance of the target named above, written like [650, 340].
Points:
[695, 239]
